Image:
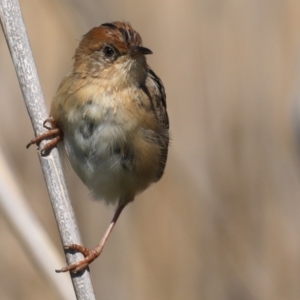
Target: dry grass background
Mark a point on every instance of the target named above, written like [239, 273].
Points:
[224, 221]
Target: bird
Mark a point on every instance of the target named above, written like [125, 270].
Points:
[109, 115]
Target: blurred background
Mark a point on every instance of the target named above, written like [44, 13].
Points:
[224, 222]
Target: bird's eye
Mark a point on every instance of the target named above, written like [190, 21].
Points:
[108, 51]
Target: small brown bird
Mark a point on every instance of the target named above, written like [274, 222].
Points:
[110, 114]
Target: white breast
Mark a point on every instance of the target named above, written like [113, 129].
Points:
[94, 134]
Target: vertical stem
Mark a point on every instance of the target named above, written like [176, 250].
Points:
[20, 50]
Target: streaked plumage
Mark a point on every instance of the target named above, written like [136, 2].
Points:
[110, 114]
[116, 126]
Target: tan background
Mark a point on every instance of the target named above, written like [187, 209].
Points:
[224, 222]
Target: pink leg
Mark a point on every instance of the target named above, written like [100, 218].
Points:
[91, 254]
[54, 131]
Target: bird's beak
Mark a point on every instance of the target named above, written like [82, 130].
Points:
[139, 50]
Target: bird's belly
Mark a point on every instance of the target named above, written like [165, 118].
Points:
[104, 157]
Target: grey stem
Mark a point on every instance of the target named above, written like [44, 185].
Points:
[20, 50]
